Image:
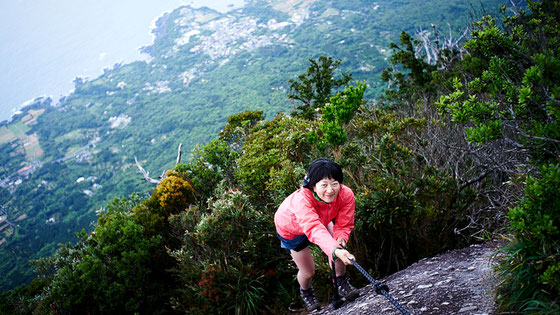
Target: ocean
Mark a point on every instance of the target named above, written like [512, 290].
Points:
[45, 44]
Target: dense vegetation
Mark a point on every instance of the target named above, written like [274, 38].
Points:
[82, 150]
[463, 146]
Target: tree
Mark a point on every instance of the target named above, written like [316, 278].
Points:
[115, 268]
[314, 87]
[273, 156]
[336, 114]
[239, 125]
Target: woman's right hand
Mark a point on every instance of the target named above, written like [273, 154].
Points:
[344, 255]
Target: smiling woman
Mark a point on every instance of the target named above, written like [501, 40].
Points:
[327, 189]
[46, 44]
[320, 212]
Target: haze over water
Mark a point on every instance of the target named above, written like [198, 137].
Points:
[44, 44]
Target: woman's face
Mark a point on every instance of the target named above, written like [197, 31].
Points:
[327, 189]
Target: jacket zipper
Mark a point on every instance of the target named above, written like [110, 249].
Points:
[327, 215]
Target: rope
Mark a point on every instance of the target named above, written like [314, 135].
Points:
[380, 288]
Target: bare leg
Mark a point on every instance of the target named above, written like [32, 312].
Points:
[306, 266]
[340, 267]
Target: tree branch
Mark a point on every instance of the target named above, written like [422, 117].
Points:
[179, 154]
[145, 173]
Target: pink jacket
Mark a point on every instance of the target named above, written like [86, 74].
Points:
[301, 213]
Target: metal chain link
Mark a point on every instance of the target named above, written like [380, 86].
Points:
[380, 288]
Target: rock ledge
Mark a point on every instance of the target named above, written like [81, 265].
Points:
[457, 282]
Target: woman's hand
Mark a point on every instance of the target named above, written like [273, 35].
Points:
[341, 241]
[344, 255]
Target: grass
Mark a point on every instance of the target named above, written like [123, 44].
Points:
[32, 148]
[329, 12]
[32, 116]
[6, 135]
[72, 135]
[19, 129]
[73, 149]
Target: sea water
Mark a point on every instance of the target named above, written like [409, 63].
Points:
[45, 44]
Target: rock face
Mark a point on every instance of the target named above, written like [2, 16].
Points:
[457, 282]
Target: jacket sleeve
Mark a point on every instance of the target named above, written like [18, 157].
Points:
[313, 228]
[344, 222]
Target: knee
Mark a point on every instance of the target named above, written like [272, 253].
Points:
[307, 273]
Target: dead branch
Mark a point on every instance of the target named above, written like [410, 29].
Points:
[179, 154]
[145, 173]
[433, 48]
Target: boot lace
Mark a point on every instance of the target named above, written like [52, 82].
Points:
[309, 299]
[345, 289]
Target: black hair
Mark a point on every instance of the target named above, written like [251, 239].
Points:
[319, 169]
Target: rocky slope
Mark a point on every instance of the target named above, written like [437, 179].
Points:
[457, 282]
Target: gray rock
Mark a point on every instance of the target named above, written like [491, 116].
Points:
[468, 308]
[459, 281]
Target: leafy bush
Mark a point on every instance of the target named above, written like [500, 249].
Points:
[405, 208]
[280, 143]
[118, 264]
[209, 165]
[229, 260]
[239, 126]
[174, 193]
[336, 115]
[531, 267]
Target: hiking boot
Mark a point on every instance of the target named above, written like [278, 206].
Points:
[309, 299]
[345, 289]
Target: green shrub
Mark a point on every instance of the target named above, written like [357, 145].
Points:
[284, 179]
[239, 126]
[336, 115]
[116, 268]
[406, 209]
[229, 260]
[209, 165]
[281, 142]
[531, 267]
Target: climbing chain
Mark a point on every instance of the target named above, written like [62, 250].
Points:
[380, 288]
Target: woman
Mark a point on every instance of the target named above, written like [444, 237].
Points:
[321, 212]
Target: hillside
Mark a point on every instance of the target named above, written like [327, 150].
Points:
[462, 147]
[63, 162]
